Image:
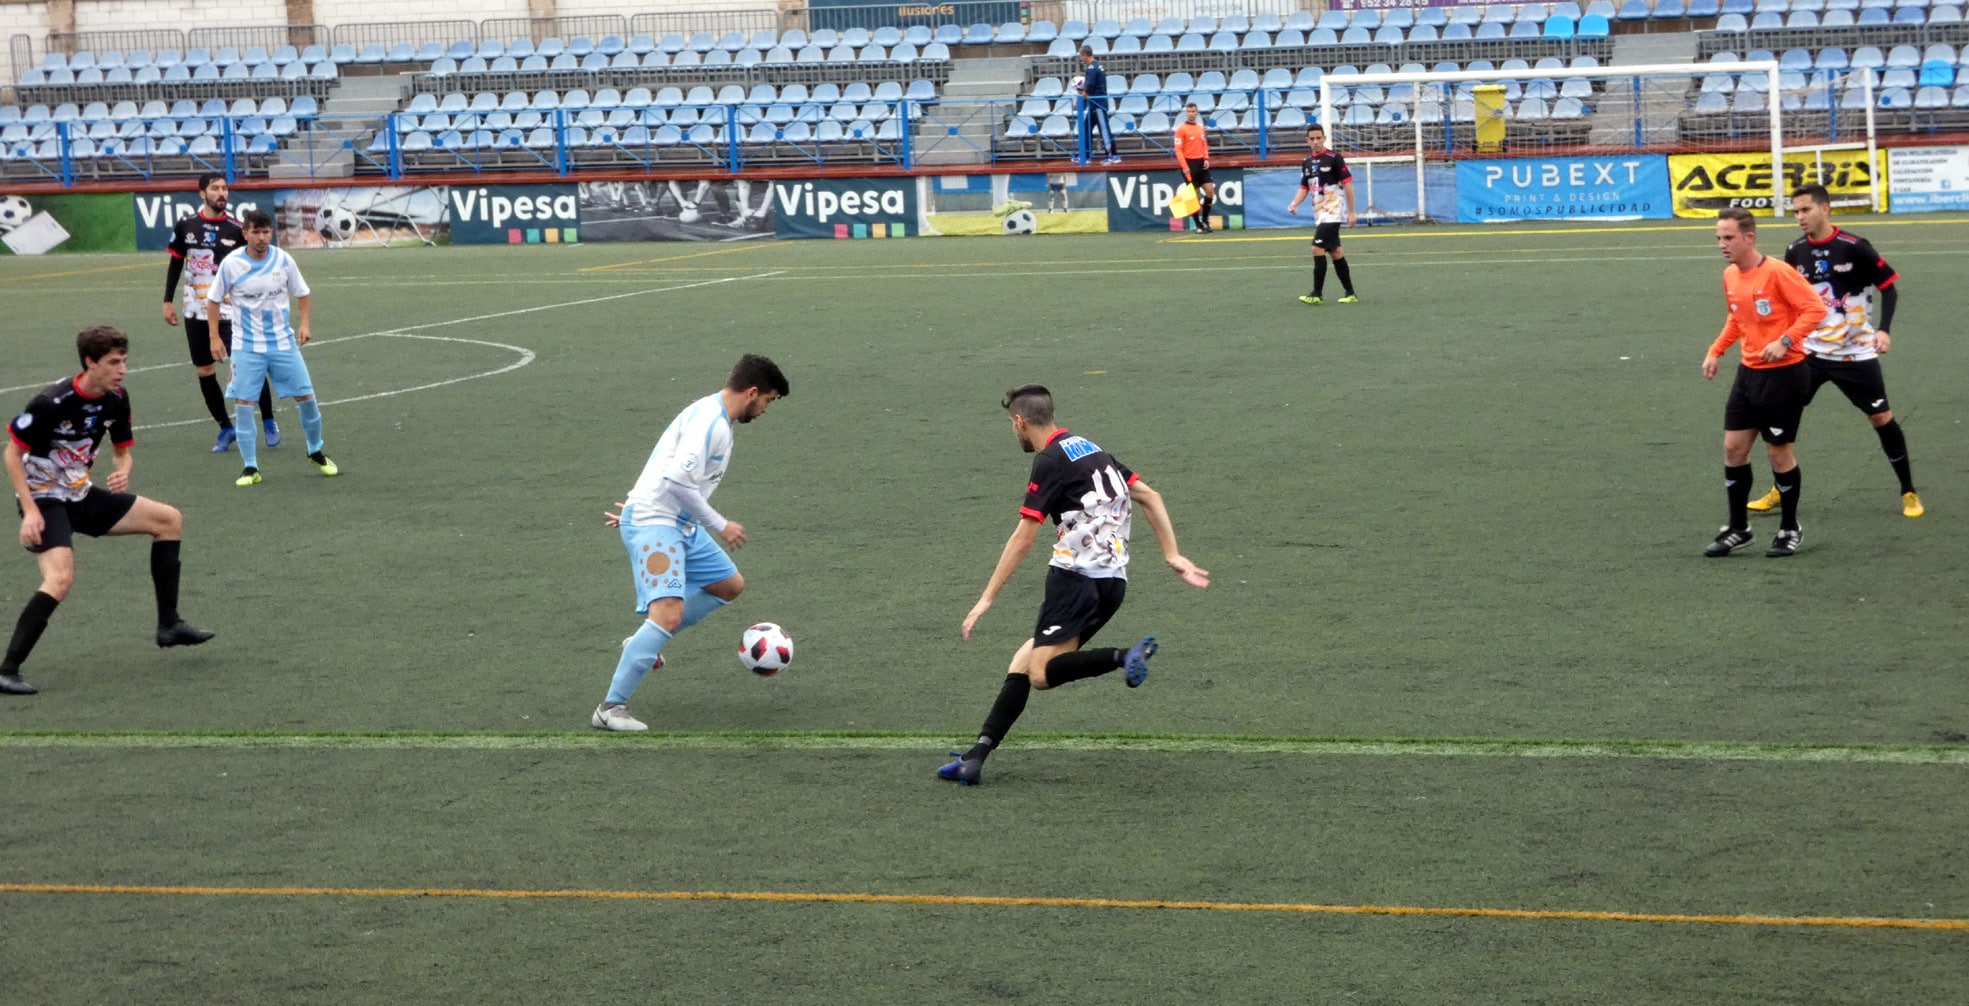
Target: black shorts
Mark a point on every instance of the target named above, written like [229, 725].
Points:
[1327, 236]
[92, 515]
[1199, 174]
[1076, 606]
[1861, 380]
[1769, 401]
[198, 339]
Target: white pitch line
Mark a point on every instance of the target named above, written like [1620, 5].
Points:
[528, 354]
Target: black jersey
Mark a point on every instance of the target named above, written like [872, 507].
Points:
[60, 433]
[1085, 491]
[1842, 268]
[1321, 178]
[203, 242]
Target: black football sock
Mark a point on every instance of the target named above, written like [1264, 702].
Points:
[1894, 442]
[1788, 484]
[266, 401]
[215, 400]
[1082, 664]
[27, 631]
[1736, 480]
[1319, 275]
[164, 576]
[1004, 712]
[1346, 277]
[1208, 202]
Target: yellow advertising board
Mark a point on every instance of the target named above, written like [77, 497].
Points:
[1705, 183]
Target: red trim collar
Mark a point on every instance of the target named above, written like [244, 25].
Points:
[76, 383]
[1057, 434]
[202, 216]
[1829, 238]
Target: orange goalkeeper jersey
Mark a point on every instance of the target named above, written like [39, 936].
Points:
[1767, 302]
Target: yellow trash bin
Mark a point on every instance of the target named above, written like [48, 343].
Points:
[1489, 99]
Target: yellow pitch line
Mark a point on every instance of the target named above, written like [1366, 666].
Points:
[76, 272]
[802, 897]
[1357, 234]
[677, 258]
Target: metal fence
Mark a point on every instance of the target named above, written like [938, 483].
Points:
[689, 22]
[300, 36]
[411, 33]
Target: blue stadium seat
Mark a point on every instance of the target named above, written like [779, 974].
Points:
[1558, 26]
[1594, 26]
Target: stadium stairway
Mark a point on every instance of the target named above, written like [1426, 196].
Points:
[1663, 102]
[320, 152]
[971, 80]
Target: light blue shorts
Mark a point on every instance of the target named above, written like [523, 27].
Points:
[667, 561]
[251, 368]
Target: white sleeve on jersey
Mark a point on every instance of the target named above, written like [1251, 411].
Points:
[692, 453]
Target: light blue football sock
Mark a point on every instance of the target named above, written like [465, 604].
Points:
[699, 605]
[637, 657]
[249, 434]
[311, 424]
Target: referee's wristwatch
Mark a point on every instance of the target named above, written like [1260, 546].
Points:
[1785, 341]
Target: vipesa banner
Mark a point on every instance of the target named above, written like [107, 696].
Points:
[1563, 188]
[845, 208]
[514, 214]
[1139, 200]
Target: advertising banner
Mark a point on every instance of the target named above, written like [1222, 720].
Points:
[38, 225]
[724, 210]
[370, 216]
[845, 208]
[514, 214]
[1382, 192]
[1563, 188]
[1925, 179]
[1139, 201]
[156, 213]
[1065, 202]
[1705, 183]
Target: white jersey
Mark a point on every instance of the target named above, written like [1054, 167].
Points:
[259, 289]
[693, 452]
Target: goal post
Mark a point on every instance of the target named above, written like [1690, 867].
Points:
[1405, 120]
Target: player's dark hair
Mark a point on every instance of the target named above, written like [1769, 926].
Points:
[257, 218]
[1745, 222]
[754, 371]
[1086, 50]
[1815, 192]
[1315, 128]
[1032, 401]
[205, 180]
[98, 341]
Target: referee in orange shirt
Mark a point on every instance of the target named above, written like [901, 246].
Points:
[1193, 157]
[1772, 310]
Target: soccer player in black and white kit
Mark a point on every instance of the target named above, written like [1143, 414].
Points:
[1324, 175]
[1091, 496]
[50, 449]
[1845, 350]
[198, 244]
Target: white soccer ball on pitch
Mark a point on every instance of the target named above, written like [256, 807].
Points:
[1021, 222]
[14, 212]
[335, 224]
[765, 649]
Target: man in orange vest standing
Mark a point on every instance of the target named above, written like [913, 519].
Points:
[1193, 157]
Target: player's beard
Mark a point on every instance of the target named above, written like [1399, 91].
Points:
[218, 207]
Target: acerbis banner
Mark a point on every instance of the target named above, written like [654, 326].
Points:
[514, 214]
[1925, 179]
[845, 208]
[1563, 188]
[1705, 183]
[1139, 200]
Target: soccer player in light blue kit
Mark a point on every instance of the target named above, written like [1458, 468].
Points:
[681, 574]
[259, 281]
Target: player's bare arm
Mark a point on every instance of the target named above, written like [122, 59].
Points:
[1296, 200]
[1165, 534]
[31, 522]
[119, 472]
[1015, 551]
[1348, 187]
[214, 309]
[1709, 367]
[301, 333]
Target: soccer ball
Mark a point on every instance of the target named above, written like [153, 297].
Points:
[335, 224]
[765, 649]
[1021, 222]
[1078, 84]
[14, 212]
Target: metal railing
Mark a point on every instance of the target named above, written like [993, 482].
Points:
[411, 33]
